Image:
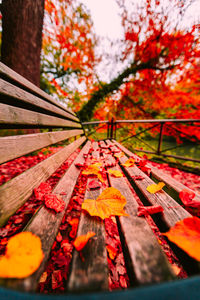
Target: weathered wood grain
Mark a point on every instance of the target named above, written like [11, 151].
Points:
[144, 258]
[16, 191]
[10, 74]
[20, 116]
[24, 97]
[17, 146]
[172, 211]
[92, 273]
[45, 224]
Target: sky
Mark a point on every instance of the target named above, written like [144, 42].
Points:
[105, 17]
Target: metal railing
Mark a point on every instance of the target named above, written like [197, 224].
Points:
[161, 124]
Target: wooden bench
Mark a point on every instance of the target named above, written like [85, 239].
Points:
[24, 106]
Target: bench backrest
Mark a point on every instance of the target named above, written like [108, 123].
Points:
[25, 106]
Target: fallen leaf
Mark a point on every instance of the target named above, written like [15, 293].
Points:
[137, 177]
[23, 256]
[43, 277]
[115, 173]
[74, 223]
[111, 251]
[94, 185]
[59, 237]
[187, 197]
[43, 189]
[186, 235]
[129, 163]
[176, 269]
[119, 155]
[149, 210]
[54, 202]
[80, 242]
[94, 170]
[154, 188]
[110, 203]
[80, 165]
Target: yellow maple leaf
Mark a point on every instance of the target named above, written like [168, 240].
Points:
[23, 256]
[118, 155]
[154, 188]
[115, 173]
[94, 170]
[110, 203]
[129, 163]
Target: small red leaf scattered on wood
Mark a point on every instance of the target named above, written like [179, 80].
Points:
[187, 197]
[54, 202]
[81, 241]
[59, 237]
[149, 210]
[137, 177]
[80, 165]
[43, 189]
[94, 185]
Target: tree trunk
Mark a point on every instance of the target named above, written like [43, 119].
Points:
[22, 22]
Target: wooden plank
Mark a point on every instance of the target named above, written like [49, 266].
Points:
[17, 146]
[45, 224]
[145, 259]
[23, 97]
[172, 211]
[9, 73]
[16, 191]
[161, 176]
[92, 273]
[20, 116]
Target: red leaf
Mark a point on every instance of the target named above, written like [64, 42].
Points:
[94, 185]
[54, 202]
[187, 197]
[80, 165]
[149, 210]
[137, 177]
[43, 189]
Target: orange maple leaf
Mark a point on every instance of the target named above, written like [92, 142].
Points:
[23, 256]
[81, 241]
[110, 203]
[94, 170]
[111, 251]
[129, 163]
[186, 234]
[154, 188]
[115, 173]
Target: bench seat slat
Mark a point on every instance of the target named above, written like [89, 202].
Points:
[172, 211]
[92, 273]
[23, 97]
[19, 145]
[45, 224]
[20, 116]
[10, 74]
[143, 254]
[159, 175]
[18, 190]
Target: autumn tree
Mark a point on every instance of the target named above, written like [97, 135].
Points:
[22, 23]
[158, 50]
[68, 51]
